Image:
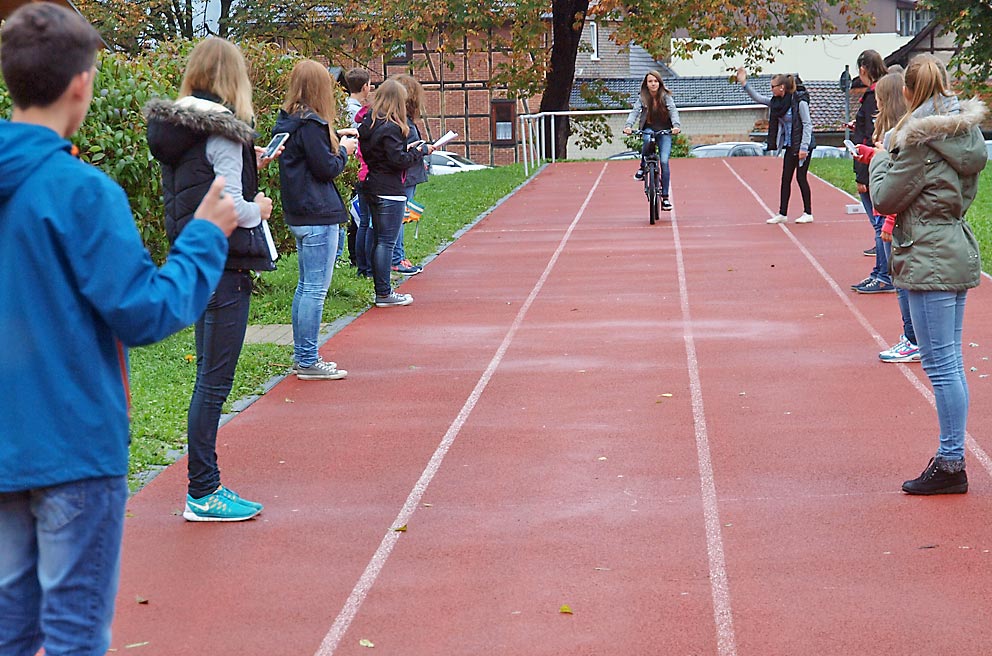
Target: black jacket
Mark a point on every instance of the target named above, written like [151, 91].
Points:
[864, 128]
[416, 174]
[177, 138]
[384, 151]
[307, 168]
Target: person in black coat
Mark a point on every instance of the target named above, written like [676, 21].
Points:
[312, 206]
[383, 139]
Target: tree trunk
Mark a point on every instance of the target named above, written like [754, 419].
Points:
[225, 19]
[567, 20]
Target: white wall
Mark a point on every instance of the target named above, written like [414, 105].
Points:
[820, 58]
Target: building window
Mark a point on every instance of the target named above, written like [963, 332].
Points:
[594, 40]
[399, 53]
[502, 117]
[910, 22]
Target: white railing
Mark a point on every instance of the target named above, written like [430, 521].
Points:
[533, 144]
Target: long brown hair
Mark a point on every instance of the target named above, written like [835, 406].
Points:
[414, 95]
[311, 88]
[891, 104]
[389, 104]
[217, 66]
[926, 78]
[654, 106]
[873, 64]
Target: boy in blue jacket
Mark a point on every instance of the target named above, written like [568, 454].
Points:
[76, 288]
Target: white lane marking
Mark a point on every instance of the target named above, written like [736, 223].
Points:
[973, 446]
[719, 586]
[375, 565]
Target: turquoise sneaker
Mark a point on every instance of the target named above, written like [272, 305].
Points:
[217, 507]
[230, 494]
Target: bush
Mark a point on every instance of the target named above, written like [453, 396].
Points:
[113, 137]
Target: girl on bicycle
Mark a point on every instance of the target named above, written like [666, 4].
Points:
[790, 128]
[655, 111]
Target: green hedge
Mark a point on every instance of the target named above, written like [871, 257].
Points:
[113, 137]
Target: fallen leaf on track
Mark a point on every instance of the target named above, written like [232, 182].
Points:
[400, 529]
[365, 642]
[565, 609]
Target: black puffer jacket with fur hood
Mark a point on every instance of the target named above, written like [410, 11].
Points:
[177, 138]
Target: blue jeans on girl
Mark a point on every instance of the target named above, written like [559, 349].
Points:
[60, 552]
[903, 296]
[387, 217]
[938, 317]
[664, 152]
[220, 333]
[364, 238]
[315, 248]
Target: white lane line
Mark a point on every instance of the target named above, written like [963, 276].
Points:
[719, 586]
[378, 561]
[910, 375]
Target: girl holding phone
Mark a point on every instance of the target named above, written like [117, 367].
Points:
[312, 206]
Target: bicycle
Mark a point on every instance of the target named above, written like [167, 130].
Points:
[652, 174]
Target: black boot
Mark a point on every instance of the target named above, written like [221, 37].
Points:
[940, 477]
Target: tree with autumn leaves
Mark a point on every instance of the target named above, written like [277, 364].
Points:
[360, 30]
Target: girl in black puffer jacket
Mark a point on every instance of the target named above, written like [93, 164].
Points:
[312, 206]
[383, 138]
[205, 134]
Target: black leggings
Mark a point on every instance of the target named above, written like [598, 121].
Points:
[790, 165]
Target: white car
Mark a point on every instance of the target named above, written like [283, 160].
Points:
[444, 162]
[730, 149]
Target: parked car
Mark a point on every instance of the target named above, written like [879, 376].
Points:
[730, 149]
[988, 147]
[444, 162]
[838, 152]
[627, 154]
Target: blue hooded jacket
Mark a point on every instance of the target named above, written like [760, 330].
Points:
[77, 286]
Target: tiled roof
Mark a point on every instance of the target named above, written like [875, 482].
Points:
[827, 100]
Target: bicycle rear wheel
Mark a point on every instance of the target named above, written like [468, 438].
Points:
[654, 199]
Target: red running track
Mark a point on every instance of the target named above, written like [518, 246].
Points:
[681, 432]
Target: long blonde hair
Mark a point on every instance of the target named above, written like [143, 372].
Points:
[311, 88]
[891, 104]
[414, 95]
[217, 66]
[390, 104]
[925, 78]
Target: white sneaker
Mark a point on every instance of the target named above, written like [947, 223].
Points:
[805, 218]
[778, 218]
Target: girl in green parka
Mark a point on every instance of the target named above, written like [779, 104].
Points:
[928, 179]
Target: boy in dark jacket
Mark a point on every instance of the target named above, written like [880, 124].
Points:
[83, 289]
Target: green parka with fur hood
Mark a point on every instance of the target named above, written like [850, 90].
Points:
[928, 179]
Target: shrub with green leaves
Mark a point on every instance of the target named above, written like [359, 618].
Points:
[113, 136]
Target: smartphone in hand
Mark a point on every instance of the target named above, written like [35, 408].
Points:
[851, 148]
[278, 140]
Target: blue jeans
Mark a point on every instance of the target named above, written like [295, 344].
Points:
[364, 238]
[664, 152]
[387, 217]
[342, 237]
[314, 246]
[903, 296]
[399, 252]
[59, 567]
[938, 317]
[220, 333]
[881, 270]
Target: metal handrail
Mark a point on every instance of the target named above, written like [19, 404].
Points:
[533, 152]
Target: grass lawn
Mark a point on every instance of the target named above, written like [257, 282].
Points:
[162, 374]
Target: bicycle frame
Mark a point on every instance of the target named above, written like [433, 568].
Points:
[652, 174]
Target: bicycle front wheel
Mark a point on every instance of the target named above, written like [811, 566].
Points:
[654, 198]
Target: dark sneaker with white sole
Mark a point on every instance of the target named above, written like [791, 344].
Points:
[861, 283]
[666, 204]
[876, 286]
[393, 299]
[320, 371]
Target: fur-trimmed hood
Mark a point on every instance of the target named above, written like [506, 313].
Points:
[176, 126]
[200, 115]
[948, 132]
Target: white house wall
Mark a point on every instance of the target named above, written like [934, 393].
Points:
[820, 58]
